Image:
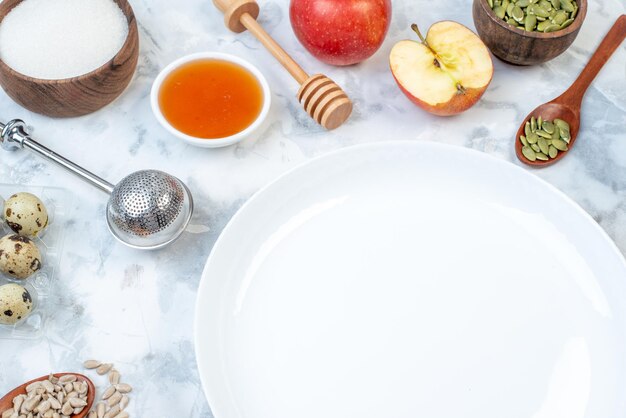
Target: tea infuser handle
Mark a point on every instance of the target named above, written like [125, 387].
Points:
[13, 136]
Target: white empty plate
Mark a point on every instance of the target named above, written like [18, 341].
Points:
[408, 280]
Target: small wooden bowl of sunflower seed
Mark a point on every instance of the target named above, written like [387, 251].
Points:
[528, 32]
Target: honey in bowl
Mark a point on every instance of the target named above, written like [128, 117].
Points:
[210, 98]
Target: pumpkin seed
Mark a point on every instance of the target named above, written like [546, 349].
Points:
[527, 128]
[541, 26]
[552, 152]
[560, 145]
[529, 15]
[530, 23]
[509, 9]
[547, 126]
[557, 133]
[517, 14]
[529, 153]
[500, 11]
[561, 124]
[567, 6]
[546, 140]
[551, 28]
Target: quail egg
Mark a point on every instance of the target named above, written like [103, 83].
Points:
[25, 214]
[16, 303]
[19, 256]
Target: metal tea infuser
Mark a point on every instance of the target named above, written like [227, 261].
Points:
[148, 209]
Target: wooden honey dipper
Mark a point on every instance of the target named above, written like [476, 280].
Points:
[321, 97]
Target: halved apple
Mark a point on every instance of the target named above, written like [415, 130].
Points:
[447, 72]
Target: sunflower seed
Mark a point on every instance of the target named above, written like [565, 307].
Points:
[114, 399]
[77, 402]
[67, 378]
[67, 408]
[124, 401]
[54, 403]
[124, 388]
[100, 409]
[112, 412]
[104, 368]
[122, 414]
[114, 377]
[107, 393]
[91, 364]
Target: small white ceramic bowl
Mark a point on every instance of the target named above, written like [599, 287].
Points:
[249, 132]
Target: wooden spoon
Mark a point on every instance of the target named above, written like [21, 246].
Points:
[7, 401]
[567, 106]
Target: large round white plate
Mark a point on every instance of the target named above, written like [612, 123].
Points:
[408, 280]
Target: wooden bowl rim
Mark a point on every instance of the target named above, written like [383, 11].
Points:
[575, 26]
[91, 394]
[130, 41]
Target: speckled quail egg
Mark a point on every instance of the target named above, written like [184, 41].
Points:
[19, 256]
[26, 214]
[16, 303]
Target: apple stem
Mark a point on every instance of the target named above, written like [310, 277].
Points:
[417, 30]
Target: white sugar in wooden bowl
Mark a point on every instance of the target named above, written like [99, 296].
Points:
[56, 39]
[66, 58]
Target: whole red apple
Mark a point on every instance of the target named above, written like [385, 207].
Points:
[340, 32]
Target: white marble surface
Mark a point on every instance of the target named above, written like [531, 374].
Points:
[136, 309]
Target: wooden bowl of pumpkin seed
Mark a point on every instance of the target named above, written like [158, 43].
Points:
[528, 32]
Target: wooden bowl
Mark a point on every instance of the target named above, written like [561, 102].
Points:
[6, 402]
[78, 95]
[518, 46]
